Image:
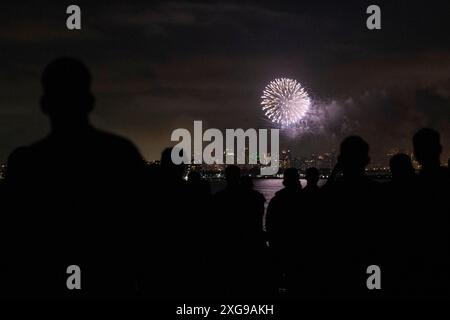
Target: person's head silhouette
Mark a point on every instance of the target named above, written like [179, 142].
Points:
[427, 148]
[312, 176]
[232, 175]
[170, 169]
[354, 156]
[67, 99]
[401, 167]
[291, 178]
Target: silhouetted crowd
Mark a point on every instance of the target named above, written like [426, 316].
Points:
[81, 196]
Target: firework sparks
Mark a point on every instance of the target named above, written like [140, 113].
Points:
[285, 101]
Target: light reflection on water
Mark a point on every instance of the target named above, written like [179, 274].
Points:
[267, 187]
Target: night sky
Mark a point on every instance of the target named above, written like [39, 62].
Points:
[158, 66]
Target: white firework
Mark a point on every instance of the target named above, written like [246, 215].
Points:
[285, 101]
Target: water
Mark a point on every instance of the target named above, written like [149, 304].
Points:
[267, 187]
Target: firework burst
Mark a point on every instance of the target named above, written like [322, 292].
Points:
[285, 102]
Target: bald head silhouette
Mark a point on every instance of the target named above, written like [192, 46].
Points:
[67, 99]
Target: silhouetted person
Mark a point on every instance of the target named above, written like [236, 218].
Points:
[401, 168]
[351, 233]
[247, 182]
[76, 192]
[172, 267]
[282, 225]
[309, 224]
[255, 202]
[427, 149]
[198, 185]
[232, 177]
[311, 191]
[170, 170]
[312, 177]
[398, 226]
[201, 233]
[431, 217]
[239, 213]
